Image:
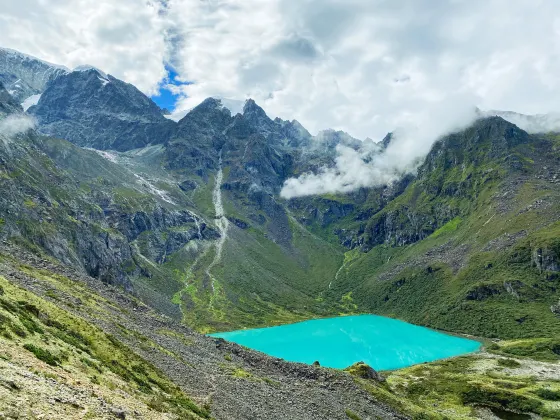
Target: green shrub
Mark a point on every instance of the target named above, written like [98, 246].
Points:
[351, 415]
[43, 354]
[30, 325]
[539, 349]
[500, 399]
[548, 394]
[91, 364]
[18, 330]
[185, 403]
[509, 363]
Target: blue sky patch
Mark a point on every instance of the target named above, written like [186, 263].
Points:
[166, 98]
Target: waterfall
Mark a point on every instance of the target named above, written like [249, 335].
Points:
[221, 221]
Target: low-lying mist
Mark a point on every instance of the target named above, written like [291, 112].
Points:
[16, 124]
[415, 134]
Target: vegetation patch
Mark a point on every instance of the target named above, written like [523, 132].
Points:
[544, 349]
[509, 363]
[548, 394]
[43, 354]
[480, 395]
[352, 416]
[103, 359]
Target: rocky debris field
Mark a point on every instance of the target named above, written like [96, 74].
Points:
[237, 383]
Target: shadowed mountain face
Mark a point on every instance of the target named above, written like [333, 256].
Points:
[8, 105]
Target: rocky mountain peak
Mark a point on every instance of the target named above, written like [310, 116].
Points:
[256, 116]
[206, 119]
[487, 139]
[24, 76]
[90, 108]
[386, 140]
[251, 107]
[331, 138]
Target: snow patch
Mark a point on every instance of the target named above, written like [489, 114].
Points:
[87, 67]
[234, 105]
[154, 190]
[103, 81]
[9, 51]
[107, 155]
[29, 102]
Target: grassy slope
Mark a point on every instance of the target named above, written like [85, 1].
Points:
[462, 387]
[80, 361]
[258, 282]
[487, 247]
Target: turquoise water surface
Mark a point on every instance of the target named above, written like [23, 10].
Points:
[383, 343]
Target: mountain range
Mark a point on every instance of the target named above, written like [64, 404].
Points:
[156, 225]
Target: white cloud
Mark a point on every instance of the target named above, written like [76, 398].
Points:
[355, 65]
[410, 142]
[363, 66]
[16, 124]
[126, 38]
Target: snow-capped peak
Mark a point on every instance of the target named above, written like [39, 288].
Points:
[234, 105]
[15, 53]
[87, 67]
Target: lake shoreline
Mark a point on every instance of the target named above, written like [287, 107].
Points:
[384, 343]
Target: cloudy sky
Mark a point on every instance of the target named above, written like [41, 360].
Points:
[364, 66]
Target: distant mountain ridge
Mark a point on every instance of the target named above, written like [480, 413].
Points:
[92, 109]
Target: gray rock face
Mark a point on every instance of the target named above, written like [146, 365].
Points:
[95, 110]
[546, 259]
[364, 371]
[8, 105]
[24, 76]
[42, 203]
[198, 138]
[555, 309]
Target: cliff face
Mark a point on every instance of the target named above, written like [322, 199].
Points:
[92, 109]
[8, 105]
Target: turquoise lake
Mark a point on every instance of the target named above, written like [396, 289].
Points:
[383, 343]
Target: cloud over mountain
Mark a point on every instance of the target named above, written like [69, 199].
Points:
[361, 66]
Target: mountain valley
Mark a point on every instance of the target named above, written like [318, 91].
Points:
[126, 233]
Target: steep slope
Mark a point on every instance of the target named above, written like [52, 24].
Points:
[267, 268]
[92, 109]
[8, 104]
[75, 346]
[113, 221]
[25, 76]
[470, 244]
[196, 222]
[56, 363]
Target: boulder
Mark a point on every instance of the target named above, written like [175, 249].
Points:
[364, 371]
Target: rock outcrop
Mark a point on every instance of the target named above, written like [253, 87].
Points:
[92, 109]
